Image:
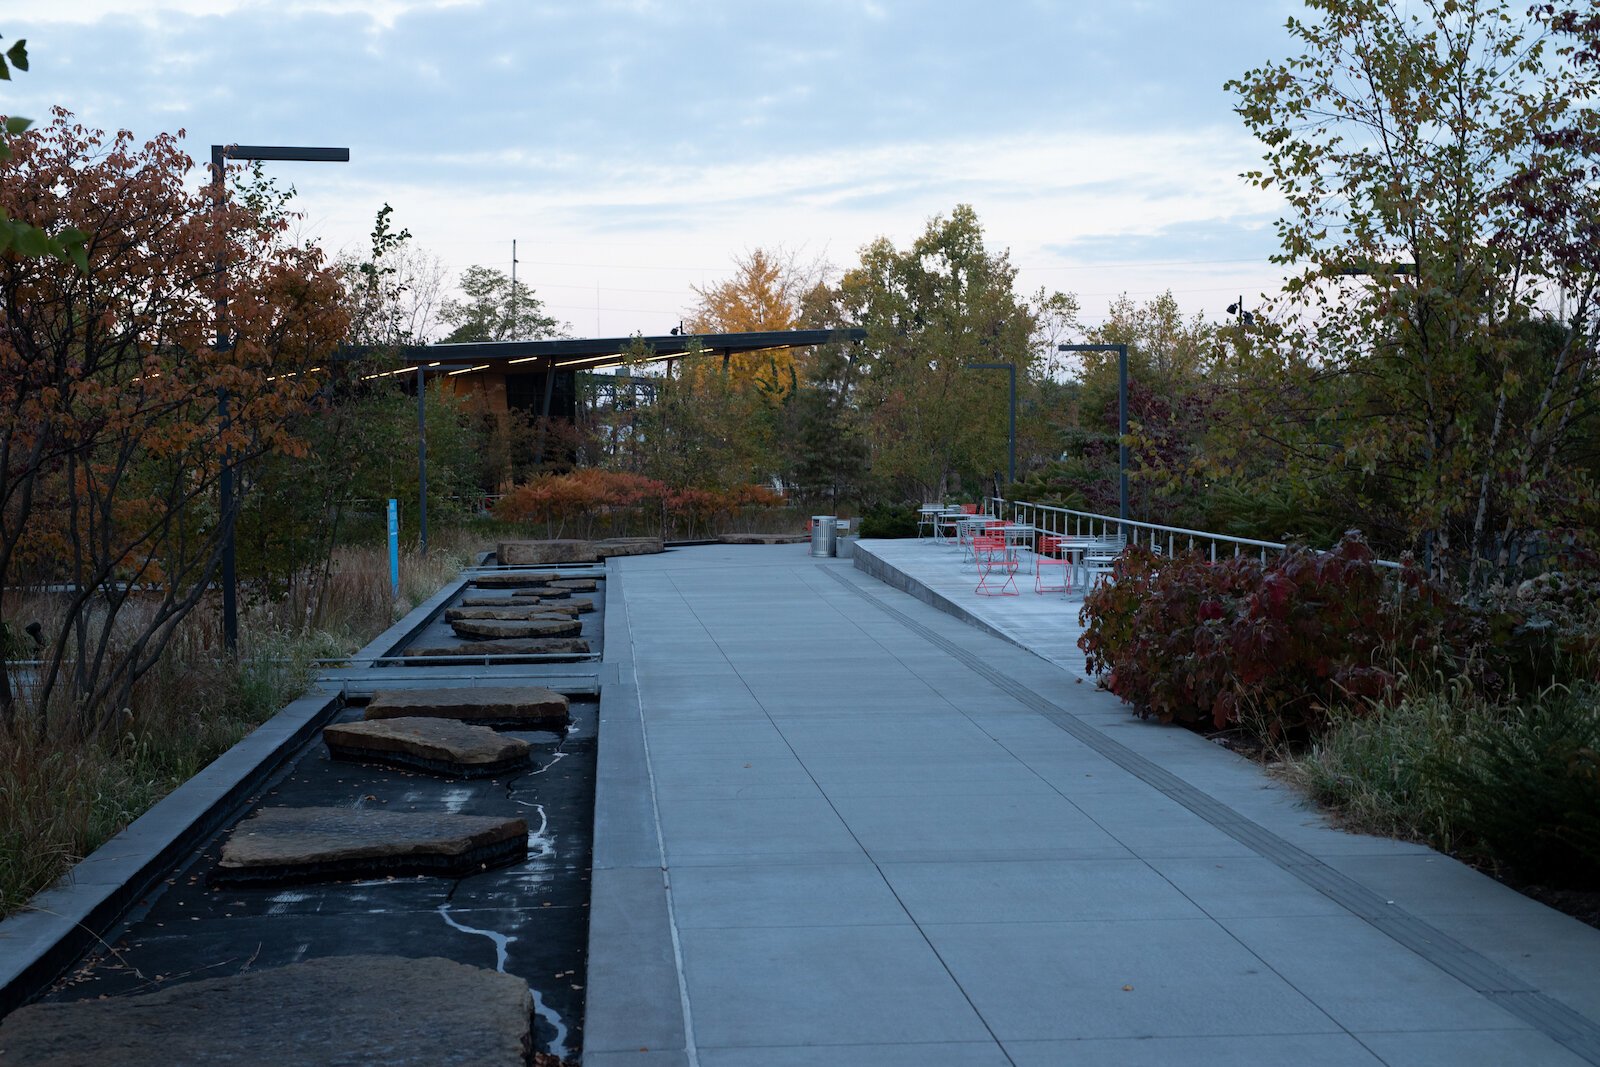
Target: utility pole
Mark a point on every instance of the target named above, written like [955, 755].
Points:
[513, 289]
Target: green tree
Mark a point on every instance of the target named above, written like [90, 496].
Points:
[829, 451]
[928, 311]
[1446, 391]
[495, 310]
[685, 437]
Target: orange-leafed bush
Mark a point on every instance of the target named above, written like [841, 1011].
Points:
[582, 501]
[589, 502]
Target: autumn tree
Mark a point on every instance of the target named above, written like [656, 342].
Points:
[17, 235]
[763, 294]
[111, 438]
[1434, 360]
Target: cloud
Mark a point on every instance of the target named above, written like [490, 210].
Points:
[648, 139]
[382, 13]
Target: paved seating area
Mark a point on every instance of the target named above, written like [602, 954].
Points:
[883, 835]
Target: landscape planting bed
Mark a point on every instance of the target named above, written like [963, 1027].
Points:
[529, 919]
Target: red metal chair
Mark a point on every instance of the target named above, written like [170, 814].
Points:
[992, 551]
[1049, 554]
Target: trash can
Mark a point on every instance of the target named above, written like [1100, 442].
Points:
[824, 533]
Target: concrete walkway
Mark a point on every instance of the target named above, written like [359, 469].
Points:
[839, 826]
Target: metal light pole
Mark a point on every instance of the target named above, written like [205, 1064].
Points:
[1011, 433]
[220, 154]
[1122, 419]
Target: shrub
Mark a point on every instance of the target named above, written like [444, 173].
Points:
[1526, 788]
[1271, 648]
[889, 520]
[1549, 627]
[1518, 786]
[590, 502]
[1375, 767]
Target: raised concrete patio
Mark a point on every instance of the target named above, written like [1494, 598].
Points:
[838, 825]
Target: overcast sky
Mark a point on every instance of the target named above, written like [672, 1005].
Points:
[632, 147]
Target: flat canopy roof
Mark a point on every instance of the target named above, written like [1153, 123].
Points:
[596, 353]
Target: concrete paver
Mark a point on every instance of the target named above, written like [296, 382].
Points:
[886, 834]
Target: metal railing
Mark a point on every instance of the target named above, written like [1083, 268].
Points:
[1065, 522]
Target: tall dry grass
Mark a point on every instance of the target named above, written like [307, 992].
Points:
[61, 797]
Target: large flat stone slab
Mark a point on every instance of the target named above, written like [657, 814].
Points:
[572, 550]
[343, 1010]
[554, 550]
[507, 647]
[543, 592]
[525, 613]
[576, 585]
[278, 845]
[630, 546]
[513, 579]
[504, 705]
[565, 606]
[443, 746]
[509, 628]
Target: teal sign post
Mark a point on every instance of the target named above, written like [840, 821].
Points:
[394, 546]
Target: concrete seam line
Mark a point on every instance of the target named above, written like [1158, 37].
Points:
[1551, 1017]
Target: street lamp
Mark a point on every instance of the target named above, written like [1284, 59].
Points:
[1122, 419]
[1011, 432]
[220, 154]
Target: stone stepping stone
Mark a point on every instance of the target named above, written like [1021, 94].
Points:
[500, 705]
[513, 579]
[557, 607]
[279, 845]
[508, 647]
[340, 1010]
[577, 585]
[509, 628]
[442, 746]
[525, 613]
[544, 592]
[560, 605]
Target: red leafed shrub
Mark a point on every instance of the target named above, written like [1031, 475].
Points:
[589, 501]
[1270, 646]
[578, 498]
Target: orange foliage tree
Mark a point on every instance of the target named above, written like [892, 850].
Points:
[765, 293]
[111, 439]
